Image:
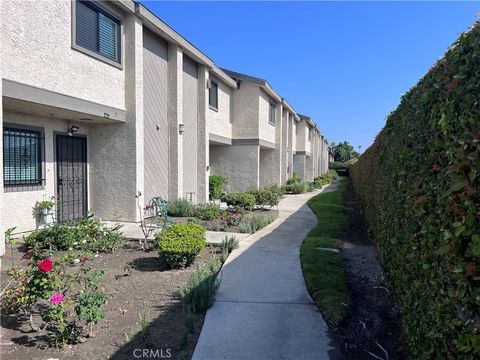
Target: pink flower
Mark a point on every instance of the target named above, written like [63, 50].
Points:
[56, 299]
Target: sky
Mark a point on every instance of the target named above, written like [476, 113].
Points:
[344, 64]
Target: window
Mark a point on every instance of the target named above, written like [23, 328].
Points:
[97, 31]
[271, 113]
[22, 157]
[213, 95]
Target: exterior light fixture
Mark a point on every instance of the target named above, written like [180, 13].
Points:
[73, 130]
[181, 128]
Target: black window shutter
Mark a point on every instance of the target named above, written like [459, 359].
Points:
[87, 26]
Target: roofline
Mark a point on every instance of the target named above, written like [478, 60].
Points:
[154, 23]
[257, 81]
[127, 5]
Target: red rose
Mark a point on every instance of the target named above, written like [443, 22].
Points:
[45, 265]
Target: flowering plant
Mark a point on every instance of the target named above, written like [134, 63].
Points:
[232, 217]
[46, 204]
[68, 299]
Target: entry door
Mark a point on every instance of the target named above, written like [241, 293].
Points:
[71, 154]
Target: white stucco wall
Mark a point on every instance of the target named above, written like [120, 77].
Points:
[245, 111]
[36, 50]
[219, 121]
[301, 136]
[267, 130]
[17, 206]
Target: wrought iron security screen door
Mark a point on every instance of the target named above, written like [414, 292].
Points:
[71, 154]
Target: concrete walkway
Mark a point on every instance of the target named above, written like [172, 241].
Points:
[263, 309]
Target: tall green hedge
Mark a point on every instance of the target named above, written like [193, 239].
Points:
[419, 185]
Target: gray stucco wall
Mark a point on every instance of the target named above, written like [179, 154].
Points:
[268, 166]
[239, 164]
[299, 164]
[155, 99]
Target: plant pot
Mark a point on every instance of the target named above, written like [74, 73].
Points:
[45, 212]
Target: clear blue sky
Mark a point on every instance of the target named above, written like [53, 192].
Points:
[345, 64]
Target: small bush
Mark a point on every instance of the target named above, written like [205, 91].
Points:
[90, 233]
[244, 200]
[198, 295]
[255, 223]
[297, 187]
[265, 197]
[180, 244]
[228, 245]
[244, 228]
[340, 167]
[277, 190]
[215, 186]
[208, 212]
[181, 208]
[231, 217]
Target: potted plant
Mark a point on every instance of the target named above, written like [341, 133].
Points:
[46, 206]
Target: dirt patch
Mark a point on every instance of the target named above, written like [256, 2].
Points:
[146, 287]
[373, 324]
[214, 225]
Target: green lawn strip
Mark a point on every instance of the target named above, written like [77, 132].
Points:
[323, 270]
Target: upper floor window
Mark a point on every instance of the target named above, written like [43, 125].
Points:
[22, 157]
[213, 95]
[97, 31]
[271, 113]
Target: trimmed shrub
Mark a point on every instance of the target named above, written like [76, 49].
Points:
[89, 233]
[265, 197]
[180, 244]
[419, 185]
[208, 212]
[244, 200]
[181, 208]
[215, 186]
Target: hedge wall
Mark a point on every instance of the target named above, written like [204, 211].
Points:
[419, 186]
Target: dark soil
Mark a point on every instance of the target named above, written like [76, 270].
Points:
[137, 283]
[215, 225]
[373, 324]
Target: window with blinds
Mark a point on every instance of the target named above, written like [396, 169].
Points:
[22, 157]
[97, 31]
[271, 113]
[213, 95]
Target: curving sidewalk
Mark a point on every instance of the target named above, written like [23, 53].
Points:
[263, 309]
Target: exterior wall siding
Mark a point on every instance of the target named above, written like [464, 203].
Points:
[190, 118]
[245, 112]
[155, 97]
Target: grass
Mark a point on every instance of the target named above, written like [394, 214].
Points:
[323, 270]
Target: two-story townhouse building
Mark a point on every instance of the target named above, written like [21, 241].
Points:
[303, 163]
[252, 157]
[101, 100]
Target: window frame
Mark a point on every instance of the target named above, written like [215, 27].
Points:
[272, 108]
[40, 184]
[212, 107]
[113, 15]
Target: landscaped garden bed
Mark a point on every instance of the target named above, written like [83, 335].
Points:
[217, 225]
[65, 294]
[139, 287]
